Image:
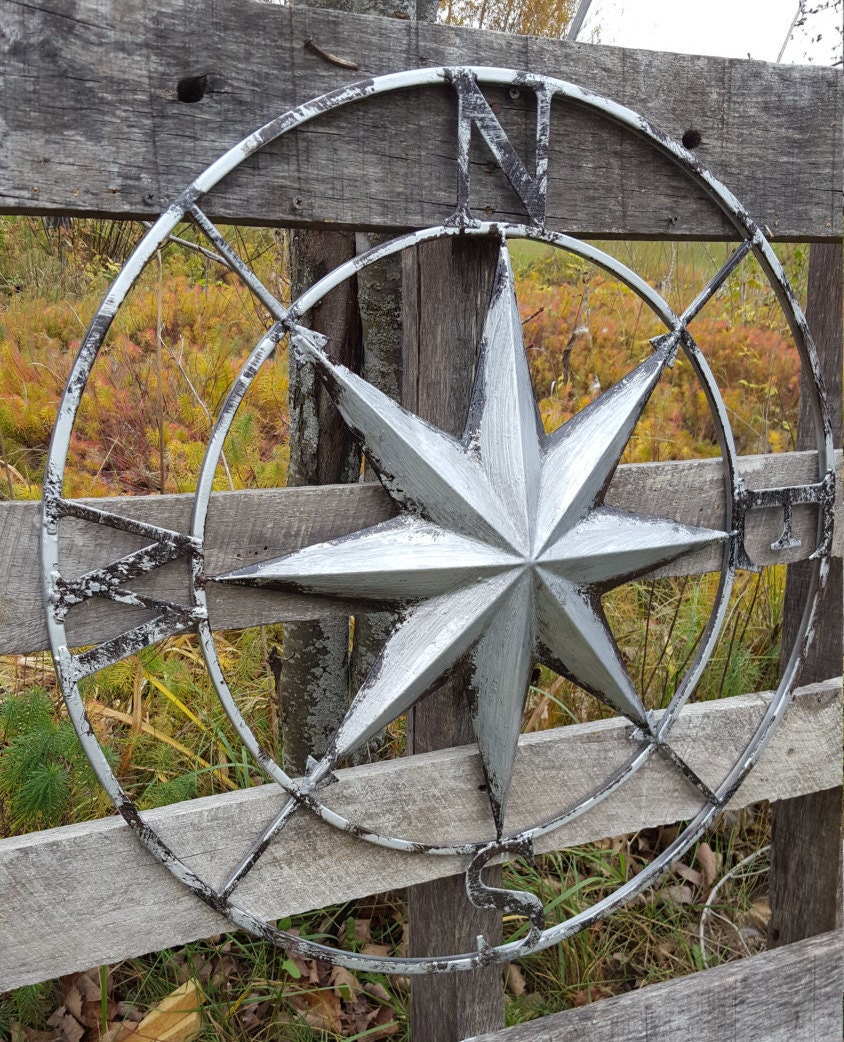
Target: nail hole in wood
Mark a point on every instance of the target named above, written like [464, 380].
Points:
[191, 89]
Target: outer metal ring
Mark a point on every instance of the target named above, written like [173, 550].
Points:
[747, 231]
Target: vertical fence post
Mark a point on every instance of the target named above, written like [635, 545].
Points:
[806, 840]
[447, 286]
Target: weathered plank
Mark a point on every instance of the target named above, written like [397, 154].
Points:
[789, 995]
[258, 525]
[85, 894]
[91, 122]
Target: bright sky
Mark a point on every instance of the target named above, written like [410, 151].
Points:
[731, 28]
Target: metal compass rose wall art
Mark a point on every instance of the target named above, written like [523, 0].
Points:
[502, 546]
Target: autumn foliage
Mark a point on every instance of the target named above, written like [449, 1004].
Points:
[187, 327]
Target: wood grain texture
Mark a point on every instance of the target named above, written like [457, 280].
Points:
[806, 852]
[790, 995]
[88, 894]
[253, 526]
[447, 288]
[313, 688]
[90, 122]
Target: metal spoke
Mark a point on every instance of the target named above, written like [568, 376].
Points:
[179, 241]
[103, 582]
[689, 773]
[139, 600]
[715, 283]
[185, 544]
[168, 624]
[275, 307]
[250, 860]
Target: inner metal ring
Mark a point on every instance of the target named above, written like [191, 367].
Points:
[223, 424]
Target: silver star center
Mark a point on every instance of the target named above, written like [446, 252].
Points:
[502, 548]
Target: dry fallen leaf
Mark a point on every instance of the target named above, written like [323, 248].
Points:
[677, 895]
[708, 861]
[759, 913]
[113, 1034]
[55, 1018]
[73, 1001]
[690, 875]
[68, 1021]
[126, 1011]
[385, 1020]
[592, 994]
[323, 1010]
[88, 985]
[304, 966]
[345, 984]
[175, 1019]
[70, 1029]
[21, 1033]
[665, 836]
[377, 991]
[362, 929]
[356, 1015]
[515, 980]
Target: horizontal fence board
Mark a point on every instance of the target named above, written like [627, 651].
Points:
[792, 994]
[90, 123]
[257, 525]
[86, 894]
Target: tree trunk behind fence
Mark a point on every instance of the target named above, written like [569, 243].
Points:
[317, 674]
[314, 689]
[806, 841]
[380, 304]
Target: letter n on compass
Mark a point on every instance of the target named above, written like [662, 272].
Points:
[473, 110]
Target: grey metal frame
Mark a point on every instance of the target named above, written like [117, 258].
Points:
[649, 737]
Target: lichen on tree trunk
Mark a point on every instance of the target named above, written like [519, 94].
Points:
[380, 305]
[806, 862]
[316, 666]
[314, 678]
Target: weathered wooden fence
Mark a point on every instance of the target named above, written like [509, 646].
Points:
[91, 123]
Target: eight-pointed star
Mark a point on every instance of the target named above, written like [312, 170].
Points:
[502, 547]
